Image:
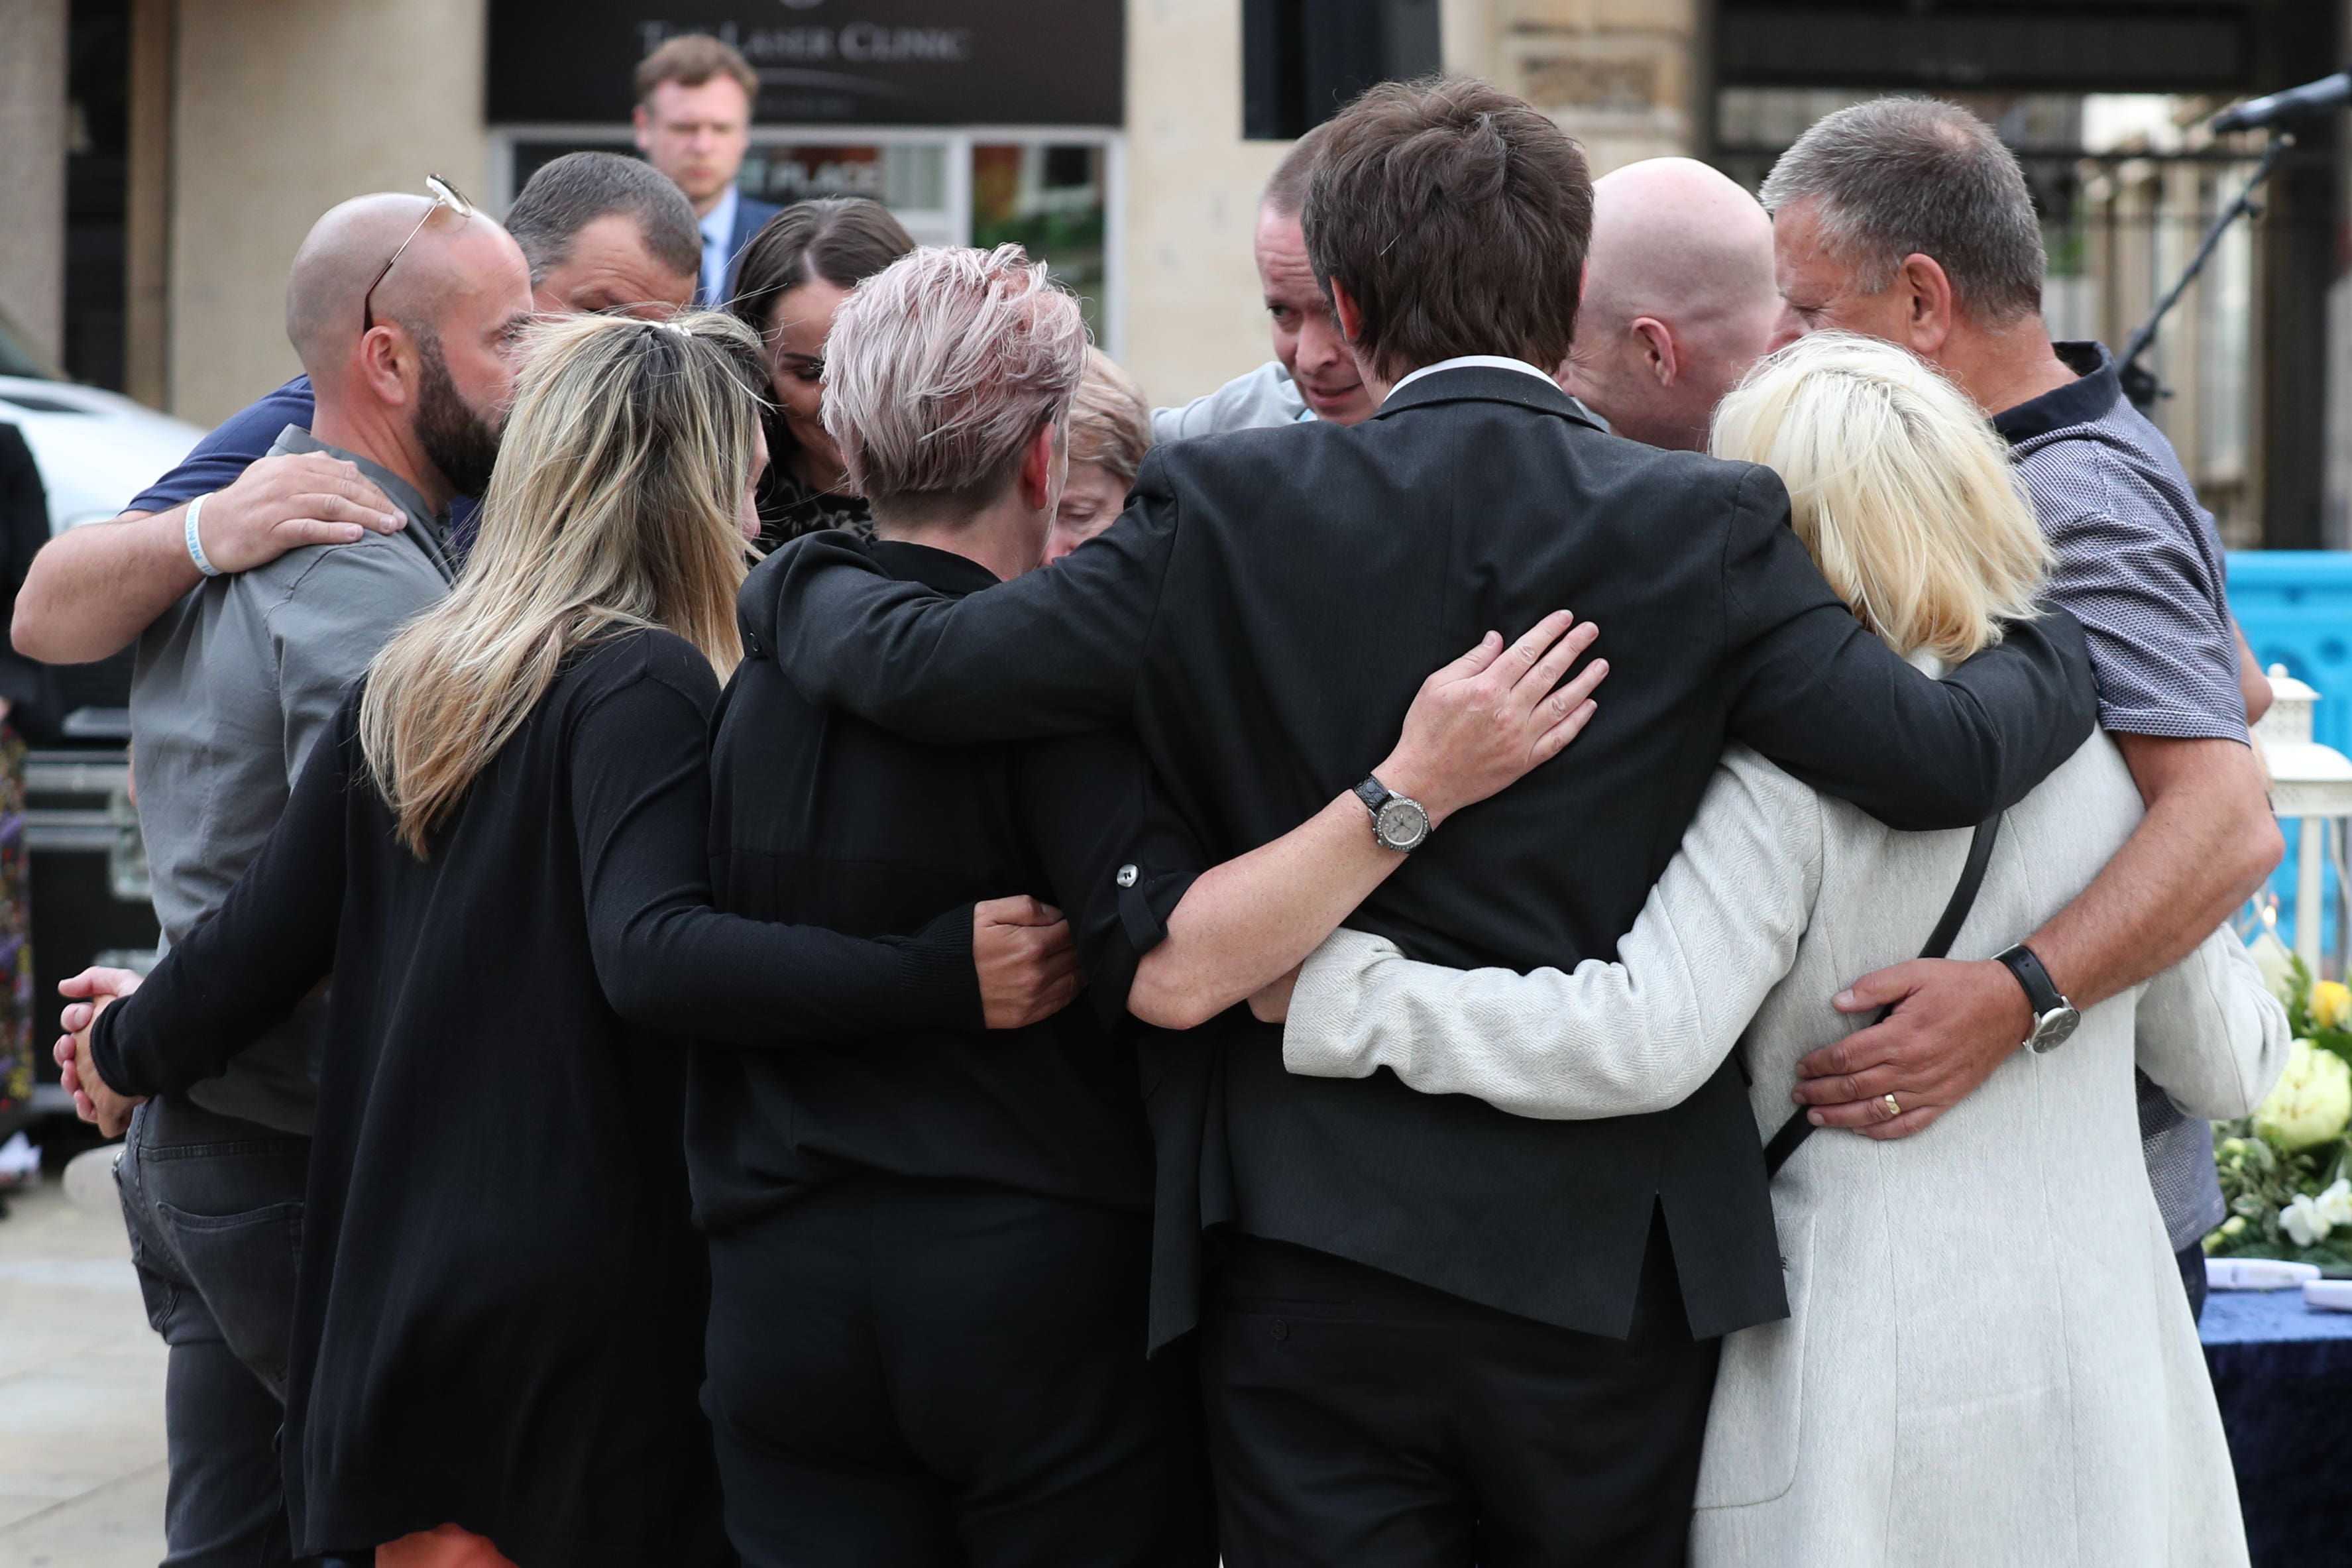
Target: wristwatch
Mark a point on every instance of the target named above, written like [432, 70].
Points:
[2054, 1017]
[1399, 821]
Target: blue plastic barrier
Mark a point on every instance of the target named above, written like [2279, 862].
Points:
[2295, 608]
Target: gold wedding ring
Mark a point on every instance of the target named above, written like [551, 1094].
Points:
[1892, 1109]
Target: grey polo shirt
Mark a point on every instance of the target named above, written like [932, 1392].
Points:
[231, 688]
[2140, 564]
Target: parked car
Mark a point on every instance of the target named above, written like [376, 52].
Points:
[88, 891]
[97, 449]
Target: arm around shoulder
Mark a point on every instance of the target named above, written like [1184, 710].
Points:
[92, 590]
[1054, 652]
[1816, 692]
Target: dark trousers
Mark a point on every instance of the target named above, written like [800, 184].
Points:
[927, 1375]
[213, 1205]
[1358, 1420]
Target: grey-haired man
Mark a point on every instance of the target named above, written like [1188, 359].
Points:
[1907, 220]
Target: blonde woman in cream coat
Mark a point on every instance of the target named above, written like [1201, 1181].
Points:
[1988, 1358]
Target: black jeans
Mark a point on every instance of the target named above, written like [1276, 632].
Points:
[1361, 1420]
[213, 1205]
[909, 1373]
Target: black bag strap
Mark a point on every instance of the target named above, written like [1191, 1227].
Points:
[1798, 1128]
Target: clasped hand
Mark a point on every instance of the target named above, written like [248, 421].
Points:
[90, 993]
[1028, 965]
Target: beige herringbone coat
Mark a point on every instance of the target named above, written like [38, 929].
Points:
[1988, 1360]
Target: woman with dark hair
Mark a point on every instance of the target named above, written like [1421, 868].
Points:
[791, 278]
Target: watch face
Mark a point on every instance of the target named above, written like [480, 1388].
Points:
[2055, 1028]
[1402, 823]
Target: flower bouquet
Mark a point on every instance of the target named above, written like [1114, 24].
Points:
[2287, 1171]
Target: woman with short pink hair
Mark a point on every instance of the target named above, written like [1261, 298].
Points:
[930, 1252]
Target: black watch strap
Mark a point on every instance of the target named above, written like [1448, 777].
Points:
[2041, 993]
[1374, 795]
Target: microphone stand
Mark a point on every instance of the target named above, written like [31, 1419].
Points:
[2139, 383]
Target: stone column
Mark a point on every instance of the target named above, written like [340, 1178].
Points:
[279, 112]
[33, 173]
[1623, 77]
[1190, 299]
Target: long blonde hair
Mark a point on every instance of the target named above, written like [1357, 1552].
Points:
[614, 506]
[1901, 491]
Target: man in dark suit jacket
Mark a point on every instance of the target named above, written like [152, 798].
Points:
[695, 97]
[1435, 1334]
[750, 215]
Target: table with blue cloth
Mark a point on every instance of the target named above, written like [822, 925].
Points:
[2282, 1375]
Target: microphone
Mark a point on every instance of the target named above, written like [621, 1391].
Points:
[2315, 98]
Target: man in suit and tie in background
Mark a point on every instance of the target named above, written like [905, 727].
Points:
[695, 97]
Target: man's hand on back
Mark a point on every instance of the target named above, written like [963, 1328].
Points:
[1955, 1024]
[283, 504]
[2203, 848]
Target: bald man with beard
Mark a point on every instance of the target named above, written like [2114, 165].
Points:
[406, 316]
[602, 233]
[1679, 300]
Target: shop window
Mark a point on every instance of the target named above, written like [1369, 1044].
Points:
[1049, 199]
[908, 177]
[1050, 193]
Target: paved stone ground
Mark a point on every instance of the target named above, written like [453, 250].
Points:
[82, 1392]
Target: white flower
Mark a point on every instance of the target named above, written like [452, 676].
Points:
[2335, 1204]
[2301, 1220]
[2311, 1102]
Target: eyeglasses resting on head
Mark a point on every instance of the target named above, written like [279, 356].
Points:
[445, 194]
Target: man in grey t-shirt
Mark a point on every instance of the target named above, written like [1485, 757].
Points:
[1908, 220]
[406, 316]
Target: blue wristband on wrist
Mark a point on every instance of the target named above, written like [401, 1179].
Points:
[195, 539]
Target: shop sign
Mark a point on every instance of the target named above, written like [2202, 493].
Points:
[847, 62]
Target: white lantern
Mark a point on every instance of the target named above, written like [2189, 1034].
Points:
[2311, 782]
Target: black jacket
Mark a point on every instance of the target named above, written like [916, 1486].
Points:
[1264, 614]
[821, 818]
